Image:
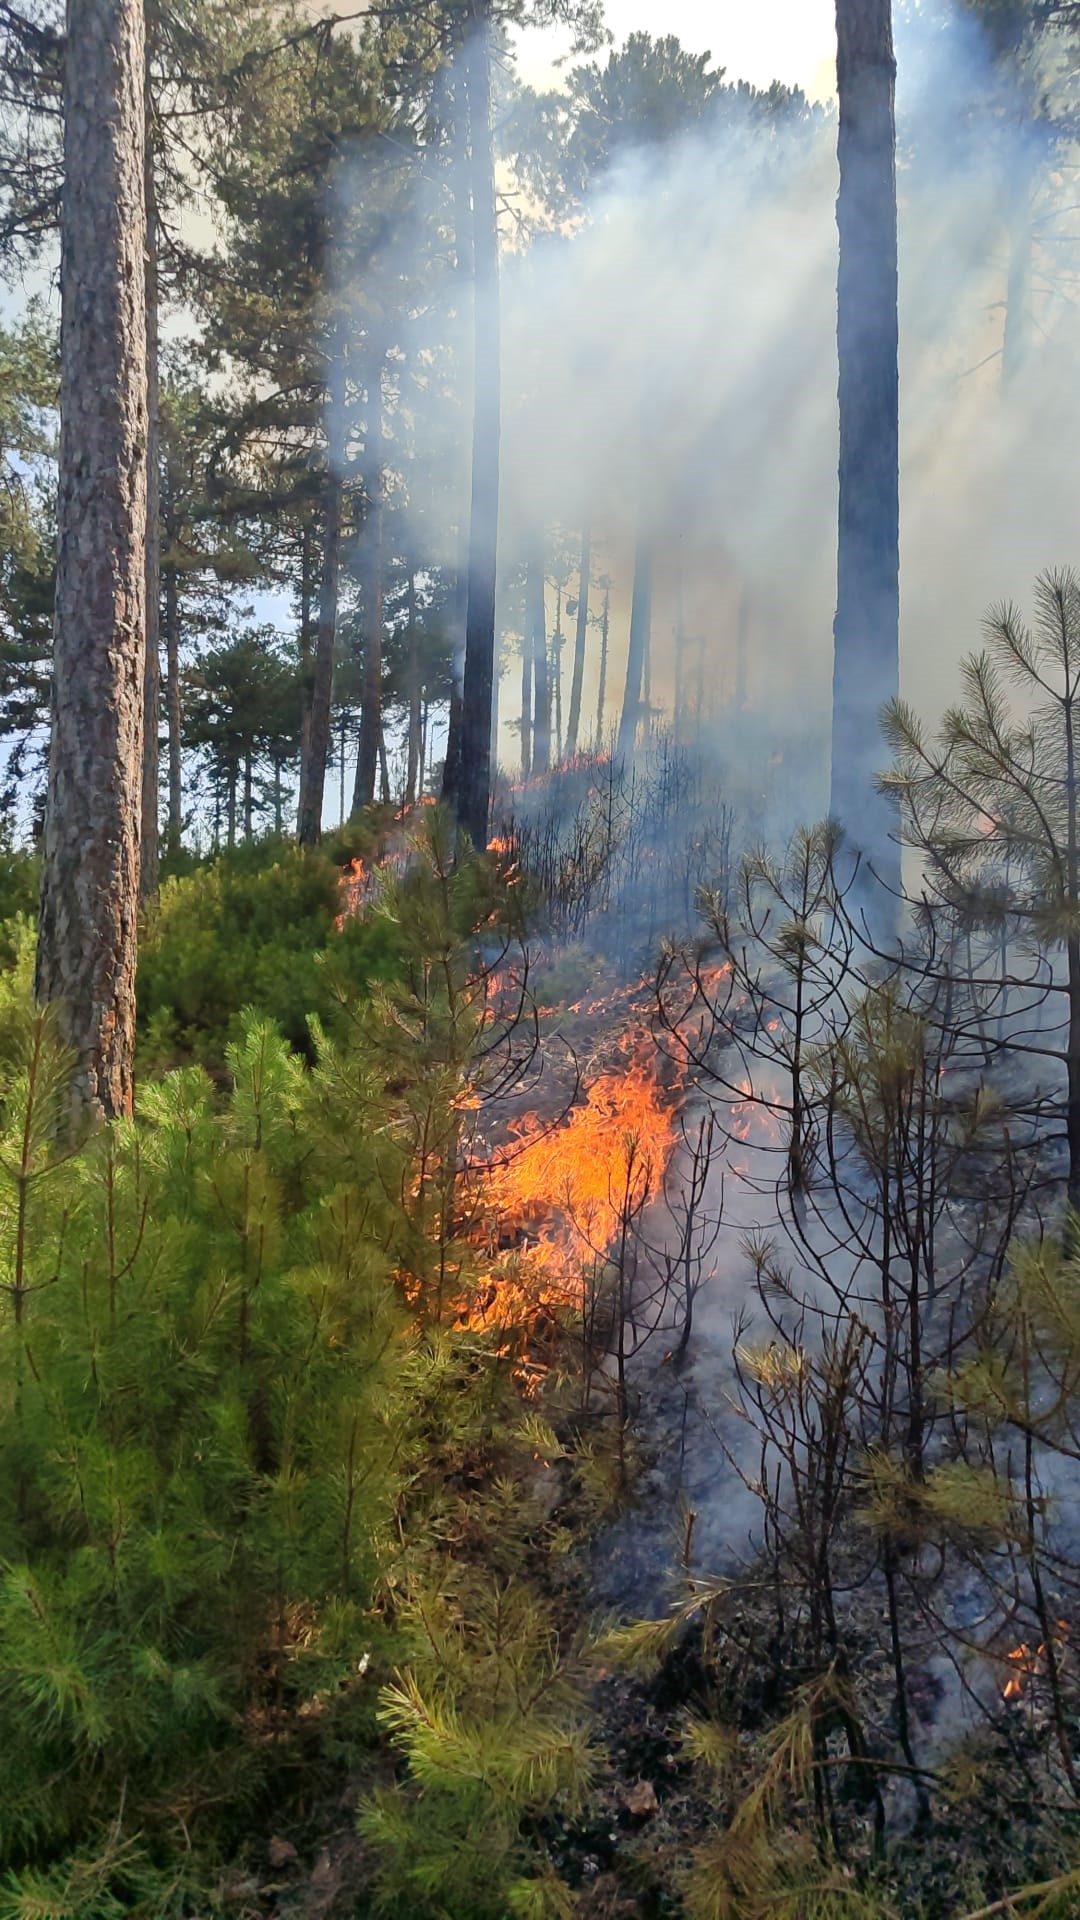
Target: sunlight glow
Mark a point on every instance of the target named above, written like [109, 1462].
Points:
[791, 40]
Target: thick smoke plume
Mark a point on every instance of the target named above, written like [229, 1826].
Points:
[669, 371]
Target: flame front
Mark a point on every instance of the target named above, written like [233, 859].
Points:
[567, 1192]
[353, 887]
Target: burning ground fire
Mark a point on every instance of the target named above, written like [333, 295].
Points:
[1028, 1664]
[553, 1201]
[565, 1193]
[354, 887]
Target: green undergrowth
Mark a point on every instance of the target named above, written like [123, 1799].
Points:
[256, 927]
[275, 1520]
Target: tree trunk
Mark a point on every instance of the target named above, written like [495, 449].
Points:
[742, 648]
[249, 808]
[679, 704]
[866, 632]
[151, 770]
[640, 622]
[536, 627]
[371, 704]
[415, 766]
[601, 691]
[464, 264]
[175, 717]
[309, 822]
[230, 806]
[573, 724]
[556, 670]
[526, 688]
[307, 657]
[87, 930]
[474, 776]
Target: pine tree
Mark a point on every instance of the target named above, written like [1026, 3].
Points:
[90, 880]
[866, 637]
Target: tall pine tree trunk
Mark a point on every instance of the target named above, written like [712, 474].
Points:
[526, 688]
[415, 763]
[307, 653]
[640, 622]
[151, 771]
[464, 266]
[313, 788]
[866, 667]
[87, 930]
[742, 654]
[536, 626]
[557, 642]
[601, 689]
[172, 703]
[573, 724]
[474, 775]
[679, 703]
[371, 701]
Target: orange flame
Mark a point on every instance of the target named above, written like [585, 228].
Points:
[1029, 1663]
[571, 1188]
[354, 883]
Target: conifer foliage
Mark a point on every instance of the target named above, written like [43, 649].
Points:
[255, 1462]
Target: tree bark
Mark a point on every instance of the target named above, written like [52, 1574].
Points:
[573, 724]
[309, 821]
[557, 643]
[87, 932]
[866, 667]
[175, 717]
[474, 776]
[151, 769]
[464, 264]
[526, 688]
[640, 623]
[536, 625]
[601, 690]
[742, 653]
[307, 657]
[367, 762]
[679, 703]
[415, 766]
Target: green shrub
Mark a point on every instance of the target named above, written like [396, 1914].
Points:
[252, 928]
[205, 1425]
[20, 878]
[254, 1465]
